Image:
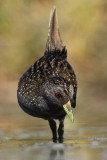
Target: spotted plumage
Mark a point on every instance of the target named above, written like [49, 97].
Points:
[47, 77]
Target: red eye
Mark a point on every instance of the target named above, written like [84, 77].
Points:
[58, 95]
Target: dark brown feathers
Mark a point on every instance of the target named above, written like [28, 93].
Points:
[52, 66]
[54, 39]
[50, 83]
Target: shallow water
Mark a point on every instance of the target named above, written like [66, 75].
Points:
[23, 137]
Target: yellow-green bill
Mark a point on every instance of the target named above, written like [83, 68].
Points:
[69, 112]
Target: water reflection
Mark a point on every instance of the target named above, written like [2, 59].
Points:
[31, 138]
[54, 153]
[74, 148]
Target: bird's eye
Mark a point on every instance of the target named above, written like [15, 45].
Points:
[58, 95]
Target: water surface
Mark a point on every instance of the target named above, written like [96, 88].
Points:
[23, 137]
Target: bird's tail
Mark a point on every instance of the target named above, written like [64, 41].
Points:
[54, 40]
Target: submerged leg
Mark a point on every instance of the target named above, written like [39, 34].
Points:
[53, 127]
[61, 131]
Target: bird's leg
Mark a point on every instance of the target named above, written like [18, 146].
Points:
[61, 131]
[53, 127]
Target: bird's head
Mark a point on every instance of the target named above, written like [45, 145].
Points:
[57, 91]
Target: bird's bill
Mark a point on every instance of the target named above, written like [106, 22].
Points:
[68, 110]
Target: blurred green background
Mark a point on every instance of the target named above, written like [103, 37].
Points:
[23, 36]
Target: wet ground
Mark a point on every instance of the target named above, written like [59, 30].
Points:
[26, 138]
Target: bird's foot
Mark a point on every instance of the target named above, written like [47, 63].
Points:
[61, 139]
[54, 140]
[58, 139]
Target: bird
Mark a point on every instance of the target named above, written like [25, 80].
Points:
[49, 83]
